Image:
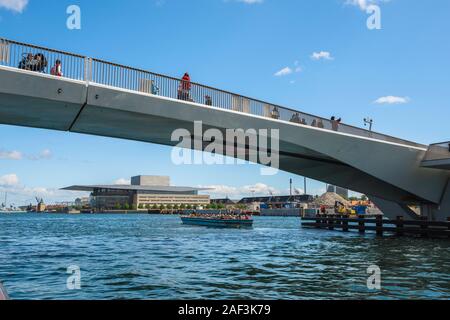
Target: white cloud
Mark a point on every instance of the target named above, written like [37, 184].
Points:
[51, 195]
[45, 154]
[9, 180]
[288, 70]
[122, 181]
[258, 189]
[10, 155]
[325, 55]
[392, 100]
[160, 3]
[283, 72]
[221, 190]
[364, 4]
[246, 1]
[14, 5]
[19, 194]
[251, 1]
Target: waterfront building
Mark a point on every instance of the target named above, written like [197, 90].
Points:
[83, 202]
[144, 192]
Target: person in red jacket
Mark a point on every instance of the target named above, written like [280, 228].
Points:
[185, 87]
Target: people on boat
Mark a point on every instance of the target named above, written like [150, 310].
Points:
[57, 69]
[184, 90]
[220, 216]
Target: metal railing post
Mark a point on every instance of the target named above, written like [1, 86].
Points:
[4, 51]
[86, 66]
[90, 69]
[87, 69]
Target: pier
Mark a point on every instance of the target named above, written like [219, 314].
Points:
[380, 225]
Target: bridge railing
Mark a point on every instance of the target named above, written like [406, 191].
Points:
[438, 151]
[41, 59]
[14, 54]
[129, 78]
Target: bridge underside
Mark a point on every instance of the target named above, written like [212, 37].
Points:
[443, 164]
[386, 171]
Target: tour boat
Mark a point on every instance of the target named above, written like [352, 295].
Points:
[218, 221]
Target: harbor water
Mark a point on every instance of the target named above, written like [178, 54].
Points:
[157, 257]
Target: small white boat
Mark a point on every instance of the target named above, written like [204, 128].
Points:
[11, 211]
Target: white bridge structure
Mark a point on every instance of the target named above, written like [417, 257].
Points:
[101, 98]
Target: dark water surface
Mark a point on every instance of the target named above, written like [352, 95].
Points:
[156, 257]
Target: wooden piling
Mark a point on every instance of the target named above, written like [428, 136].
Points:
[361, 224]
[317, 221]
[424, 227]
[448, 227]
[379, 225]
[400, 226]
[330, 222]
[344, 224]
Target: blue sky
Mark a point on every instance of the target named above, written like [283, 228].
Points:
[315, 56]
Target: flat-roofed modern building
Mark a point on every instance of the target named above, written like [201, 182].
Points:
[143, 193]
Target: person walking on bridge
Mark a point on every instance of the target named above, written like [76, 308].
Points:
[335, 123]
[185, 88]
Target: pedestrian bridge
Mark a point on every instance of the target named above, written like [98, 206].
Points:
[101, 98]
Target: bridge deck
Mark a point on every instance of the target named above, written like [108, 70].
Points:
[78, 67]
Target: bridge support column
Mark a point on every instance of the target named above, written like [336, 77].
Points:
[393, 210]
[440, 212]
